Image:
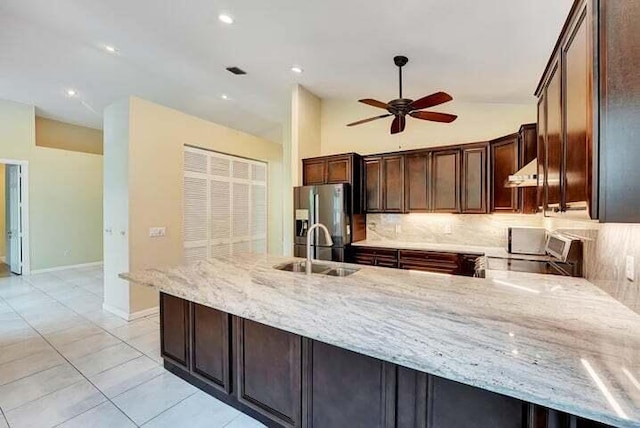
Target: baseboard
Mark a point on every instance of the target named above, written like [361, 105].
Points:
[58, 268]
[130, 317]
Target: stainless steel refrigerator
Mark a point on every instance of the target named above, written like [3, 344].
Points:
[327, 204]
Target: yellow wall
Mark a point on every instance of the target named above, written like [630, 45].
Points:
[65, 193]
[61, 135]
[306, 123]
[3, 228]
[156, 137]
[476, 122]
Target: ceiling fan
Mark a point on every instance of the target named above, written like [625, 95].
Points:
[401, 107]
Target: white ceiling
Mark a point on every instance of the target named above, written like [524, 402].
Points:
[174, 53]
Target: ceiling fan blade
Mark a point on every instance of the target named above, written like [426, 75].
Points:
[398, 124]
[368, 120]
[434, 116]
[374, 103]
[430, 101]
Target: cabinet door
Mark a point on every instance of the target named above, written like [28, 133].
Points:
[174, 329]
[528, 153]
[452, 404]
[445, 181]
[314, 171]
[504, 162]
[417, 182]
[269, 372]
[542, 150]
[474, 179]
[339, 170]
[210, 346]
[553, 181]
[373, 172]
[577, 112]
[348, 390]
[393, 183]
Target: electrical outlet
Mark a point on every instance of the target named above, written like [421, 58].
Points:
[447, 229]
[630, 268]
[156, 232]
[398, 228]
[67, 253]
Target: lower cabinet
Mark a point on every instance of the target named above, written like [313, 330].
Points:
[211, 346]
[288, 381]
[174, 329]
[348, 390]
[269, 368]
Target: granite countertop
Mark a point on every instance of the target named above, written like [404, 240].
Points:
[556, 341]
[497, 252]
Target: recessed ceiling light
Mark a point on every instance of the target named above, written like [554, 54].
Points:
[71, 93]
[110, 49]
[225, 18]
[297, 69]
[225, 97]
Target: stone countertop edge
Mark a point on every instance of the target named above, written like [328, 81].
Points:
[539, 338]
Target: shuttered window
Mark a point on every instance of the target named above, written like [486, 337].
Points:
[225, 205]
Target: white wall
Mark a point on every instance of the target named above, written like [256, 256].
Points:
[65, 193]
[476, 122]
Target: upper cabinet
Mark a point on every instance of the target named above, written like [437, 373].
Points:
[417, 168]
[474, 179]
[336, 169]
[588, 113]
[445, 181]
[384, 183]
[505, 156]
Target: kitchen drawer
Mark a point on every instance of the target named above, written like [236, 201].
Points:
[428, 256]
[448, 268]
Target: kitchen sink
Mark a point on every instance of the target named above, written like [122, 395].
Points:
[301, 267]
[341, 272]
[316, 268]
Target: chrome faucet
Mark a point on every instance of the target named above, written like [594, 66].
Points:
[327, 237]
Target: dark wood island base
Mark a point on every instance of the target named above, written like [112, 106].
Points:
[286, 380]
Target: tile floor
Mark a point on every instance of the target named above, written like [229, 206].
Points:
[65, 362]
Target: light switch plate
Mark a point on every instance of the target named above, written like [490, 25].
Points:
[447, 229]
[398, 228]
[630, 268]
[156, 232]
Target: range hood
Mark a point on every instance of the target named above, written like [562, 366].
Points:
[527, 176]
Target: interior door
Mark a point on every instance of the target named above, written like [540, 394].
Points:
[13, 217]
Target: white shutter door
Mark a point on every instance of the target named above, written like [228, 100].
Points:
[225, 205]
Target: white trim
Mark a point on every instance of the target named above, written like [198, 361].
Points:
[58, 268]
[130, 317]
[24, 212]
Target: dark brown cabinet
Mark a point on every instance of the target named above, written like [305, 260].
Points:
[336, 169]
[504, 162]
[348, 390]
[528, 137]
[417, 167]
[174, 329]
[587, 115]
[428, 261]
[286, 380]
[474, 179]
[211, 350]
[482, 408]
[370, 256]
[269, 370]
[445, 181]
[384, 183]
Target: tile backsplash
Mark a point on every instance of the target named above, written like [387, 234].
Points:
[473, 229]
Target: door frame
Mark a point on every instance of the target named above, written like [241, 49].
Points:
[24, 212]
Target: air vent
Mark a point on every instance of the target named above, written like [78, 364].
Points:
[236, 70]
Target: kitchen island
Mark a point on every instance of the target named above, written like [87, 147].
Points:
[395, 348]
